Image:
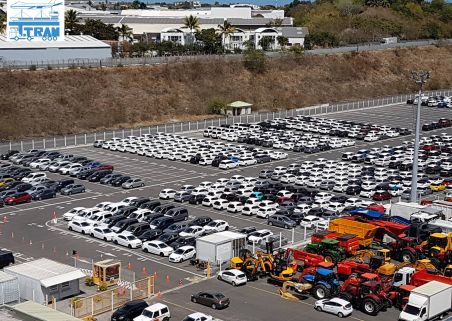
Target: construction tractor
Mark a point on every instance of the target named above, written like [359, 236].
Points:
[237, 261]
[294, 291]
[330, 250]
[438, 248]
[282, 270]
[399, 296]
[365, 293]
[325, 283]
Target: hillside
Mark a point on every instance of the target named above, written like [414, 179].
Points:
[333, 22]
[41, 103]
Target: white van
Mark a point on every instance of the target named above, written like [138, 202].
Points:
[155, 312]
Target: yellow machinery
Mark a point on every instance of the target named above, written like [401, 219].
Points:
[364, 256]
[438, 243]
[106, 272]
[390, 268]
[297, 288]
[237, 261]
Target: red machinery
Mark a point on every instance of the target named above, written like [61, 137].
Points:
[349, 242]
[306, 259]
[423, 276]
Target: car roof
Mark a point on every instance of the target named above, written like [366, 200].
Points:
[339, 300]
[156, 306]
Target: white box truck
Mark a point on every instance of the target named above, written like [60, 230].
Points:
[428, 302]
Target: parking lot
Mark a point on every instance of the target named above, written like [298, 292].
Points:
[30, 229]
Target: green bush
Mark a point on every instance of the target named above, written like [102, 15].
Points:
[103, 286]
[254, 60]
[217, 105]
[89, 281]
[33, 67]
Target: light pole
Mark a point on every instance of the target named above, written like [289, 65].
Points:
[420, 77]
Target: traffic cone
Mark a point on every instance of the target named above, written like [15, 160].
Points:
[129, 266]
[156, 275]
[42, 246]
[167, 279]
[180, 283]
[159, 295]
[31, 243]
[67, 253]
[5, 219]
[144, 270]
[54, 218]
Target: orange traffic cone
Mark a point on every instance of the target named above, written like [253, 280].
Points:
[129, 266]
[5, 219]
[156, 275]
[167, 279]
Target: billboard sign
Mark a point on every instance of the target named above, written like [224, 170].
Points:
[35, 20]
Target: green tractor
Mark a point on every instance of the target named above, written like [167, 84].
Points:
[329, 249]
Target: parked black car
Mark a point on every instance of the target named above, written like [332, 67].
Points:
[129, 311]
[200, 221]
[150, 235]
[119, 181]
[211, 299]
[150, 204]
[183, 241]
[6, 258]
[8, 154]
[44, 194]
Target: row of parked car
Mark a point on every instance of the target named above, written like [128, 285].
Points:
[158, 228]
[19, 184]
[187, 149]
[441, 123]
[303, 133]
[71, 165]
[431, 101]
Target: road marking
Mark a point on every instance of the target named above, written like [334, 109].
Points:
[302, 302]
[120, 249]
[105, 253]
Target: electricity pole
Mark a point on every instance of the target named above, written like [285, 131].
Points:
[420, 77]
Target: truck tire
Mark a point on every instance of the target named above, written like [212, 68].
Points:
[321, 292]
[370, 307]
[332, 257]
[407, 256]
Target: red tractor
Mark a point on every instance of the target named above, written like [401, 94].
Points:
[365, 292]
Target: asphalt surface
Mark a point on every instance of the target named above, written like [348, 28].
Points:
[28, 229]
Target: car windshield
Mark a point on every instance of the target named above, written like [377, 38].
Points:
[188, 319]
[148, 313]
[179, 251]
[411, 310]
[219, 296]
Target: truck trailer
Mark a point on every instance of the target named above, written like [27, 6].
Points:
[428, 302]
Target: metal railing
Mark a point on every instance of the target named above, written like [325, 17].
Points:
[75, 140]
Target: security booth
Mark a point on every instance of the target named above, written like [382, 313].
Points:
[107, 272]
[238, 108]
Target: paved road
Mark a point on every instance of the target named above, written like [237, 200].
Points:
[28, 231]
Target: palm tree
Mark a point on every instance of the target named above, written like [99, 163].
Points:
[191, 22]
[71, 20]
[125, 32]
[226, 29]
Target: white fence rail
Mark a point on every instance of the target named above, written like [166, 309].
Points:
[89, 138]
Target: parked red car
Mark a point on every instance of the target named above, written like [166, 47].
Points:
[104, 167]
[18, 198]
[377, 207]
[381, 196]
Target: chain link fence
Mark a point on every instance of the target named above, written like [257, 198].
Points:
[180, 127]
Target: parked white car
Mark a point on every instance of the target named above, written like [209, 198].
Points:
[182, 254]
[155, 312]
[235, 207]
[198, 316]
[194, 231]
[167, 193]
[337, 306]
[310, 221]
[81, 227]
[234, 277]
[103, 233]
[259, 236]
[157, 247]
[127, 240]
[217, 226]
[69, 215]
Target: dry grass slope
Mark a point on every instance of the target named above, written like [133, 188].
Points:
[44, 103]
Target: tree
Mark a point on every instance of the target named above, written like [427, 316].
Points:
[254, 60]
[210, 39]
[125, 32]
[282, 41]
[71, 21]
[226, 29]
[2, 23]
[266, 42]
[277, 22]
[217, 105]
[99, 30]
[191, 22]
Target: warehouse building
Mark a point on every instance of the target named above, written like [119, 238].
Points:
[73, 48]
[43, 279]
[9, 288]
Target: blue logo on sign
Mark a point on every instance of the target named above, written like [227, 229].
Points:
[35, 21]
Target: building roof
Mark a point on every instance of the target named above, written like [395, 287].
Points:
[69, 42]
[5, 277]
[239, 104]
[48, 272]
[258, 21]
[221, 237]
[41, 312]
[294, 32]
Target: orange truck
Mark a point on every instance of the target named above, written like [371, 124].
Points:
[364, 232]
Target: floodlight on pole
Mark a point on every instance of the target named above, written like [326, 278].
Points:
[420, 77]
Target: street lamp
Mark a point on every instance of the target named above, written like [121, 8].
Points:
[420, 77]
